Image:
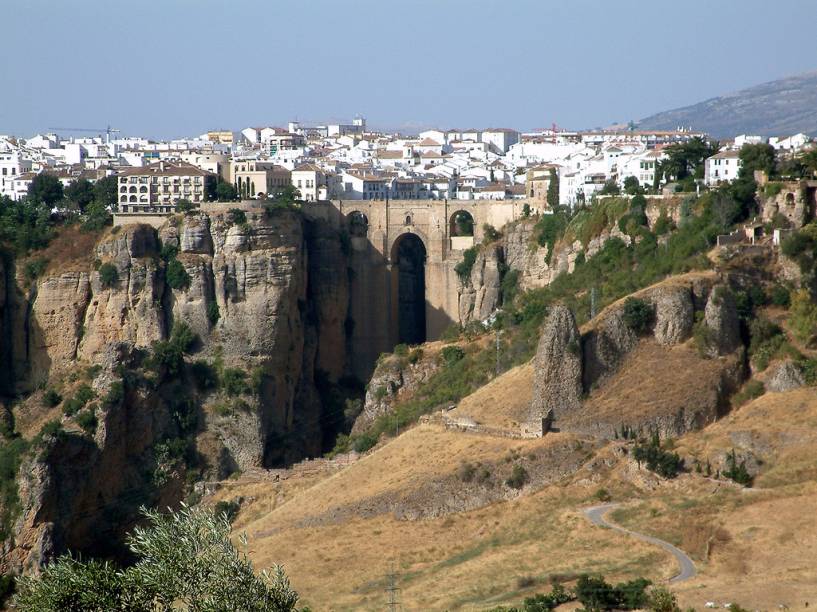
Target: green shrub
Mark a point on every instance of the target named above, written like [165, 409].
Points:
[549, 229]
[602, 495]
[169, 354]
[809, 369]
[780, 296]
[227, 508]
[803, 317]
[463, 268]
[518, 478]
[490, 233]
[177, 276]
[767, 340]
[34, 268]
[234, 381]
[83, 395]
[401, 350]
[364, 442]
[380, 392]
[663, 225]
[751, 390]
[509, 286]
[204, 375]
[51, 398]
[108, 275]
[452, 354]
[237, 216]
[115, 394]
[657, 459]
[638, 315]
[213, 313]
[772, 189]
[12, 452]
[466, 472]
[87, 421]
[415, 355]
[737, 471]
[451, 333]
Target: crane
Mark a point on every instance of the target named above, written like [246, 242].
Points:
[108, 130]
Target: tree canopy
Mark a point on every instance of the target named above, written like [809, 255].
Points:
[46, 188]
[185, 560]
[687, 159]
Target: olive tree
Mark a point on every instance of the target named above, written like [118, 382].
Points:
[186, 561]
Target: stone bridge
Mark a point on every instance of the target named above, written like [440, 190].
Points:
[403, 252]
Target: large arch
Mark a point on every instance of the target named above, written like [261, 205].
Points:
[408, 257]
[461, 224]
[358, 224]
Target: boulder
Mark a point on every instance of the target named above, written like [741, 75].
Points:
[784, 377]
[557, 382]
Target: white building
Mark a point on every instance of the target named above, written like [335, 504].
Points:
[12, 165]
[502, 138]
[722, 167]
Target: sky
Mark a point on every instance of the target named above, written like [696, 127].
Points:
[172, 68]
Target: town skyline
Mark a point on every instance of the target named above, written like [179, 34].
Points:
[480, 64]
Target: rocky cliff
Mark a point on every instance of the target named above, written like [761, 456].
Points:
[264, 299]
[596, 381]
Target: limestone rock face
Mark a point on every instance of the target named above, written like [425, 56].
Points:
[480, 293]
[195, 236]
[674, 314]
[557, 383]
[131, 310]
[721, 317]
[784, 377]
[57, 316]
[605, 345]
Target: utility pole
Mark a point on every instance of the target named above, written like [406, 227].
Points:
[592, 302]
[497, 352]
[392, 591]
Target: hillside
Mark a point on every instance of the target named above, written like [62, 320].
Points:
[435, 504]
[777, 108]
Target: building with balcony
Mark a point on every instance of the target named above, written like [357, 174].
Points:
[157, 188]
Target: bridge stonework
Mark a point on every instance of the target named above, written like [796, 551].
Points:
[374, 265]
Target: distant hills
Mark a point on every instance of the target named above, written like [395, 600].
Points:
[777, 108]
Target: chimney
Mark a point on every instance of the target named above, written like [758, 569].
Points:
[162, 166]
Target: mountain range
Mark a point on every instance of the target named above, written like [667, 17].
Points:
[776, 108]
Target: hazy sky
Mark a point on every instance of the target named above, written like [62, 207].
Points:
[167, 68]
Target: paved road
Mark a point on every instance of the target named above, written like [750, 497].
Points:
[596, 516]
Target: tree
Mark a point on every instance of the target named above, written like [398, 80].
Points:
[610, 188]
[45, 188]
[631, 186]
[553, 190]
[97, 216]
[177, 276]
[661, 599]
[225, 192]
[756, 157]
[185, 560]
[105, 190]
[80, 192]
[687, 159]
[184, 205]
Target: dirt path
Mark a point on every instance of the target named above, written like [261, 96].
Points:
[596, 516]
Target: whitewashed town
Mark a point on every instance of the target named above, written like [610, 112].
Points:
[352, 162]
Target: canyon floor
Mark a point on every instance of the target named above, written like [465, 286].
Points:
[432, 505]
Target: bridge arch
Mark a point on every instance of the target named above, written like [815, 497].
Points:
[408, 257]
[358, 224]
[460, 224]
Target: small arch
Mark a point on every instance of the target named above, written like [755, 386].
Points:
[461, 224]
[124, 198]
[133, 189]
[123, 189]
[790, 199]
[358, 224]
[143, 189]
[143, 198]
[408, 219]
[133, 198]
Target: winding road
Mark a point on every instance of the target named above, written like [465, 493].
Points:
[596, 516]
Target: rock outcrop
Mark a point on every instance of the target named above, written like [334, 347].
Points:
[480, 294]
[721, 318]
[557, 386]
[784, 376]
